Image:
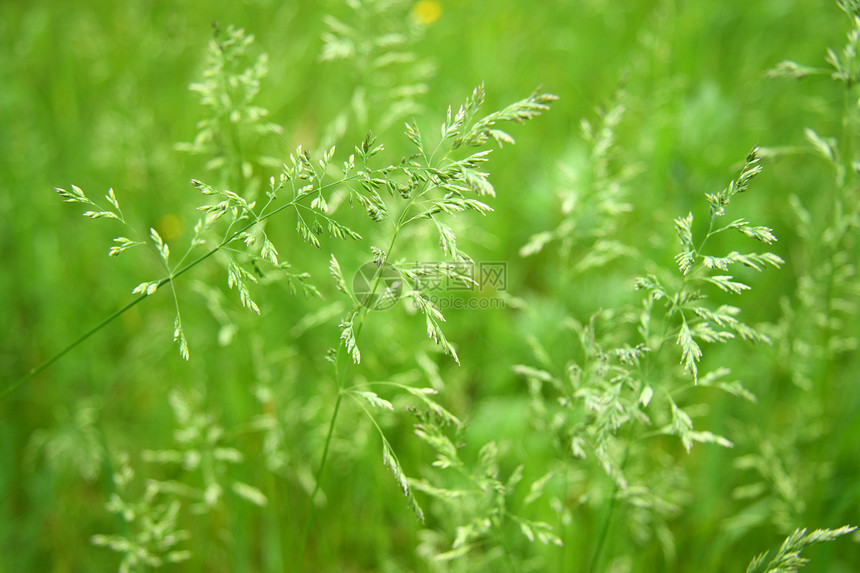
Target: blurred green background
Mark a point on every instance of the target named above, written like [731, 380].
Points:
[96, 94]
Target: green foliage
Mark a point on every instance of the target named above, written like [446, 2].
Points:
[478, 500]
[697, 322]
[548, 357]
[610, 386]
[376, 40]
[151, 525]
[429, 184]
[231, 83]
[787, 558]
[593, 204]
[73, 443]
[200, 449]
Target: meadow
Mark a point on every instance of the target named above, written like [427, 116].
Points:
[437, 285]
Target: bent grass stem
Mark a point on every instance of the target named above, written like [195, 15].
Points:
[168, 279]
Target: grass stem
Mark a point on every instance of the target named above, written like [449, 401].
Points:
[322, 466]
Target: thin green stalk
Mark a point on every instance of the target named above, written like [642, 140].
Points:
[34, 371]
[604, 529]
[108, 472]
[116, 314]
[275, 510]
[341, 374]
[237, 157]
[309, 518]
[506, 549]
[564, 530]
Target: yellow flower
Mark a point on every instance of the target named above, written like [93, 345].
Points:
[427, 11]
[169, 227]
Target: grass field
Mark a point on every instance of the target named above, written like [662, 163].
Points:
[655, 370]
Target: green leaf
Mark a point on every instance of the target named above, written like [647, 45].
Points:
[518, 112]
[825, 147]
[122, 244]
[452, 204]
[645, 396]
[306, 233]
[434, 319]
[684, 229]
[685, 261]
[725, 283]
[101, 215]
[239, 277]
[690, 351]
[536, 243]
[477, 181]
[443, 414]
[448, 241]
[757, 261]
[652, 284]
[269, 252]
[76, 195]
[347, 334]
[762, 234]
[147, 288]
[160, 245]
[500, 137]
[334, 269]
[373, 399]
[787, 558]
[391, 462]
[112, 199]
[414, 135]
[792, 70]
[537, 487]
[179, 336]
[339, 231]
[250, 493]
